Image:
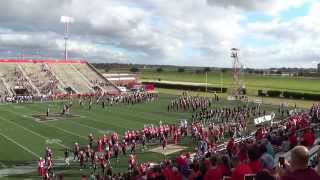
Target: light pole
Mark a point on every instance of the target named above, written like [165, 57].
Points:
[206, 81]
[221, 79]
[66, 20]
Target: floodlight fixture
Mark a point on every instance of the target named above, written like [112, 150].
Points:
[66, 20]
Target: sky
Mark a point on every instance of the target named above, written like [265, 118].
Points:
[269, 33]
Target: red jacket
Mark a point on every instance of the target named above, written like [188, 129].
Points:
[213, 173]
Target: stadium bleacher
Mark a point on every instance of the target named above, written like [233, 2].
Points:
[94, 78]
[44, 77]
[14, 77]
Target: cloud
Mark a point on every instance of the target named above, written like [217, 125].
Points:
[271, 7]
[295, 42]
[184, 32]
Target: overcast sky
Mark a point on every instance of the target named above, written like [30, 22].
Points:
[269, 33]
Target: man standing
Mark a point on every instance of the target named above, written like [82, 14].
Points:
[66, 157]
[76, 150]
[298, 168]
[48, 110]
[90, 104]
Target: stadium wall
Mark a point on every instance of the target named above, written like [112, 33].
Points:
[43, 61]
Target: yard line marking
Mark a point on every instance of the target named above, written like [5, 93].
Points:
[3, 165]
[108, 124]
[61, 129]
[20, 145]
[67, 131]
[84, 125]
[33, 132]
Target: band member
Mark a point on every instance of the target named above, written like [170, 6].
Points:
[88, 153]
[124, 147]
[131, 161]
[76, 150]
[50, 165]
[81, 159]
[100, 145]
[107, 155]
[116, 151]
[90, 104]
[133, 147]
[143, 141]
[41, 163]
[45, 174]
[91, 138]
[164, 144]
[48, 110]
[66, 157]
[95, 160]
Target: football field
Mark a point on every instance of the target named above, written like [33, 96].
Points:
[24, 136]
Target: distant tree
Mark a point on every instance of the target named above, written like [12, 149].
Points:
[198, 71]
[206, 69]
[257, 72]
[250, 71]
[134, 69]
[159, 69]
[181, 69]
[224, 70]
[106, 69]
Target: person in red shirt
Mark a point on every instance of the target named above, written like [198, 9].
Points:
[240, 170]
[175, 138]
[195, 173]
[214, 172]
[131, 161]
[164, 144]
[308, 138]
[166, 171]
[175, 175]
[124, 146]
[99, 146]
[293, 140]
[230, 147]
[259, 134]
[81, 159]
[41, 163]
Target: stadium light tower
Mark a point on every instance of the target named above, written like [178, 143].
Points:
[236, 67]
[66, 20]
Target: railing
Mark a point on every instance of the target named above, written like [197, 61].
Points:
[104, 78]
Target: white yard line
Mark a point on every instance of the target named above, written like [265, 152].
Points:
[67, 131]
[61, 129]
[20, 145]
[83, 125]
[33, 132]
[3, 165]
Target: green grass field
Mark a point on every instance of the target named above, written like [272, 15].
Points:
[23, 139]
[252, 82]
